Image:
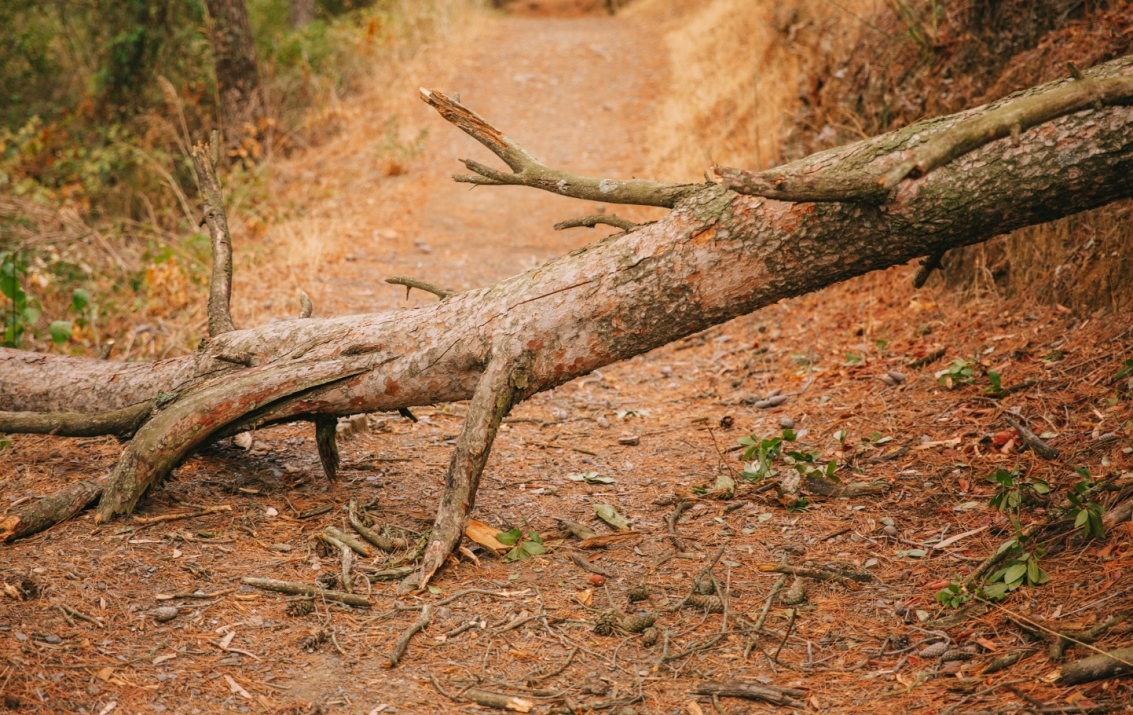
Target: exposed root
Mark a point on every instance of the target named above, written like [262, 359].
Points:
[51, 510]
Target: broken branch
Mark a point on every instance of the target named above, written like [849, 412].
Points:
[403, 640]
[526, 170]
[220, 284]
[411, 283]
[592, 221]
[301, 589]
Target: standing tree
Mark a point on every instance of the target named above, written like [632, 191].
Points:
[302, 13]
[237, 74]
[724, 250]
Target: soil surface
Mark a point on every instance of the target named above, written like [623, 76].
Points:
[80, 625]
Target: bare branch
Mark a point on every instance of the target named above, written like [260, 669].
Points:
[411, 283]
[528, 171]
[120, 423]
[876, 184]
[928, 265]
[592, 221]
[220, 284]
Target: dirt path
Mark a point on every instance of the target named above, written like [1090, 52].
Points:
[576, 92]
[548, 83]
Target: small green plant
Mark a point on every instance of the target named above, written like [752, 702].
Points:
[19, 310]
[954, 594]
[806, 463]
[802, 505]
[761, 453]
[1087, 514]
[1022, 568]
[524, 545]
[958, 371]
[1011, 488]
[61, 329]
[1126, 371]
[996, 382]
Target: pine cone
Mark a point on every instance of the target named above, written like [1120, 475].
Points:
[328, 579]
[313, 640]
[636, 624]
[607, 620]
[705, 587]
[638, 593]
[649, 637]
[301, 608]
[712, 604]
[965, 653]
[794, 595]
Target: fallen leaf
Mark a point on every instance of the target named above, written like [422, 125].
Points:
[109, 707]
[484, 535]
[235, 687]
[272, 511]
[694, 708]
[585, 597]
[176, 553]
[611, 516]
[162, 658]
[227, 640]
[986, 644]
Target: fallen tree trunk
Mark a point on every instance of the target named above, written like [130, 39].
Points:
[719, 254]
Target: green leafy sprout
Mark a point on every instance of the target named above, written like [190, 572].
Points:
[524, 544]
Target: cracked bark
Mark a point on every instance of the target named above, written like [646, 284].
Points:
[716, 256]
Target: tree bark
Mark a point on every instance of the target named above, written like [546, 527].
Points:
[716, 256]
[302, 13]
[237, 73]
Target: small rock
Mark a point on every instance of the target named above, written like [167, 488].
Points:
[898, 377]
[888, 380]
[786, 422]
[891, 530]
[603, 422]
[773, 401]
[52, 639]
[164, 613]
[870, 563]
[666, 371]
[243, 440]
[280, 547]
[629, 440]
[21, 637]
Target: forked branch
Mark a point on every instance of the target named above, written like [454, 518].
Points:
[526, 170]
[411, 283]
[205, 157]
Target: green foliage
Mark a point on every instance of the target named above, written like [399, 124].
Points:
[524, 545]
[1087, 515]
[1126, 371]
[1021, 568]
[18, 311]
[954, 594]
[958, 371]
[996, 382]
[762, 452]
[1011, 488]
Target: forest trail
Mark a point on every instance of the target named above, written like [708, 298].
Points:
[575, 92]
[643, 437]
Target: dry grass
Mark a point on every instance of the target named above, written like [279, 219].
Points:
[737, 67]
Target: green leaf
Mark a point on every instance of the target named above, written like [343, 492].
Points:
[1014, 573]
[995, 591]
[790, 435]
[840, 435]
[1040, 486]
[434, 590]
[1083, 516]
[533, 548]
[509, 537]
[611, 516]
[60, 331]
[80, 299]
[914, 553]
[534, 537]
[725, 486]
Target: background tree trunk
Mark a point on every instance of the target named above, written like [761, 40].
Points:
[237, 73]
[302, 13]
